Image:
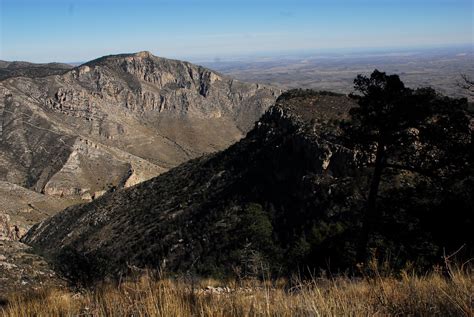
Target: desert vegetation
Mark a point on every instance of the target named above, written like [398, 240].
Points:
[441, 292]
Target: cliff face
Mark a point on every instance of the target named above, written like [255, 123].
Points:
[147, 85]
[117, 121]
[195, 216]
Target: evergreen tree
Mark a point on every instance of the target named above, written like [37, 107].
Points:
[404, 129]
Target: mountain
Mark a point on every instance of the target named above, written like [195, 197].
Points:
[74, 134]
[287, 198]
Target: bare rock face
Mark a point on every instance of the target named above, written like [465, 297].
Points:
[117, 121]
[5, 227]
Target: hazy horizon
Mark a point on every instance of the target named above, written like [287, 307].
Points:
[358, 52]
[77, 31]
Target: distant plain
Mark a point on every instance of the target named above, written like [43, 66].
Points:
[440, 68]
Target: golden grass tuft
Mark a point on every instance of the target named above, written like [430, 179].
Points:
[433, 294]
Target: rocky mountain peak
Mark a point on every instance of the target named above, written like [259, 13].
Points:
[144, 54]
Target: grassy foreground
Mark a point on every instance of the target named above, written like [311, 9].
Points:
[433, 294]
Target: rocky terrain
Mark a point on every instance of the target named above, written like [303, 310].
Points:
[21, 270]
[70, 135]
[286, 198]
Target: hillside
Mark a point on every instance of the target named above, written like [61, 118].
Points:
[288, 196]
[113, 122]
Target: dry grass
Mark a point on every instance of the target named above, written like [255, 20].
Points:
[434, 294]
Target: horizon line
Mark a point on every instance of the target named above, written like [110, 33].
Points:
[269, 53]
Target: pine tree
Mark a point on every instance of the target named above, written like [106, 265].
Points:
[404, 129]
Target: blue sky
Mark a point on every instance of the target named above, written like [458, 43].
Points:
[80, 30]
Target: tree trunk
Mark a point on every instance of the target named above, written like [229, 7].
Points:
[371, 215]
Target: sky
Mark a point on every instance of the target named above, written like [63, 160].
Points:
[80, 30]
